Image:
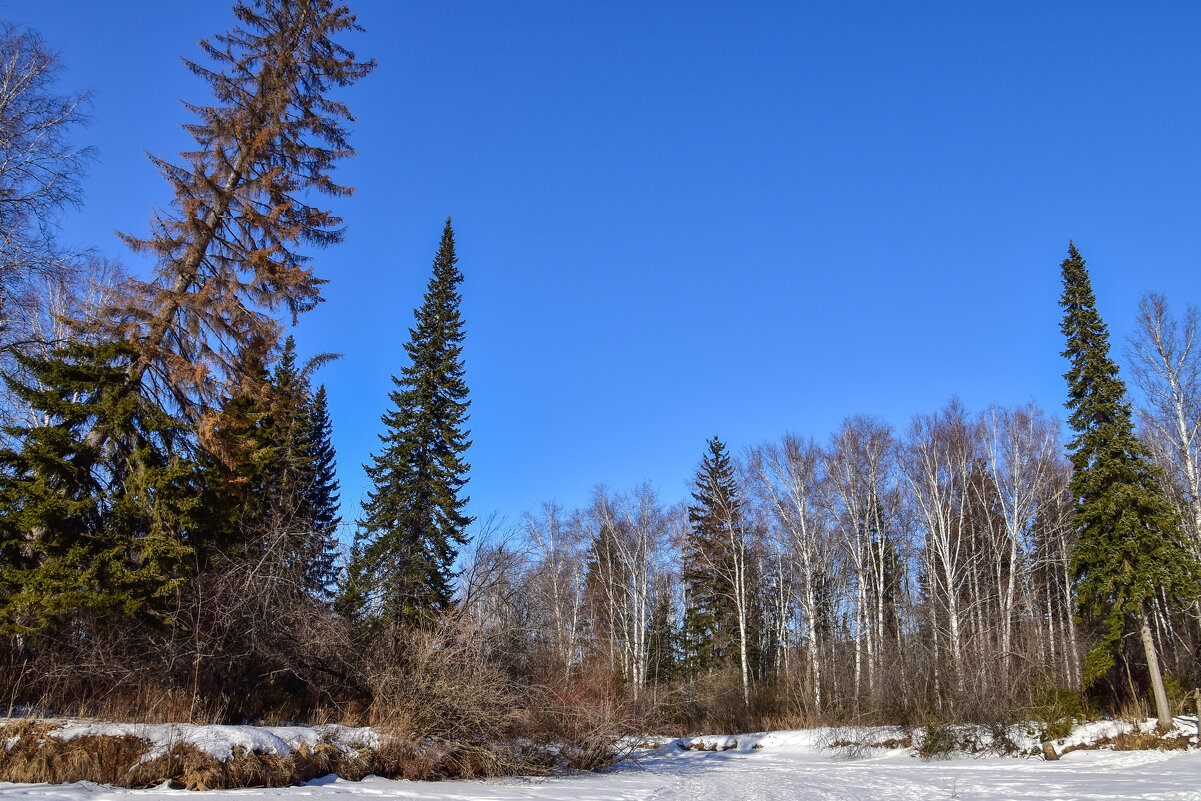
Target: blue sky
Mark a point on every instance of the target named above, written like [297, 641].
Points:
[684, 219]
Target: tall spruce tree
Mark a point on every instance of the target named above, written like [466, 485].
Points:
[228, 248]
[1128, 548]
[413, 522]
[710, 624]
[319, 499]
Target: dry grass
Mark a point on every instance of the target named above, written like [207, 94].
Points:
[38, 757]
[1136, 741]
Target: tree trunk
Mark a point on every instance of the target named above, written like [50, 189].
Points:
[1162, 712]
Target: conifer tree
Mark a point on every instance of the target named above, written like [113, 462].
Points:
[228, 247]
[319, 498]
[114, 521]
[1128, 547]
[709, 616]
[413, 522]
[279, 491]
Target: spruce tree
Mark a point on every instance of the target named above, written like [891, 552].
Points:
[413, 522]
[229, 246]
[319, 498]
[277, 488]
[98, 528]
[1128, 547]
[710, 626]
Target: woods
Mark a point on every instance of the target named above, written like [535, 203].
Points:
[174, 543]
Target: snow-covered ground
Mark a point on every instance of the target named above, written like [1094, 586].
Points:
[786, 765]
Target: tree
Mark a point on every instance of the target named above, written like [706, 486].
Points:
[716, 575]
[319, 499]
[938, 463]
[1165, 358]
[788, 480]
[40, 171]
[114, 522]
[228, 248]
[278, 494]
[1128, 547]
[413, 522]
[859, 466]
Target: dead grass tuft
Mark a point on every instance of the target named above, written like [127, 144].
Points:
[35, 757]
[1135, 741]
[38, 757]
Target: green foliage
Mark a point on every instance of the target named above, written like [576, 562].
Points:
[319, 497]
[937, 741]
[1052, 703]
[1129, 546]
[276, 490]
[101, 526]
[710, 625]
[413, 522]
[663, 657]
[1180, 696]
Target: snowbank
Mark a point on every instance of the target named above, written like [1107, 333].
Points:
[219, 742]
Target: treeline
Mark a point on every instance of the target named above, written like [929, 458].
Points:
[877, 575]
[973, 566]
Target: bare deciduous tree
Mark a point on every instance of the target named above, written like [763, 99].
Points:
[40, 173]
[1165, 359]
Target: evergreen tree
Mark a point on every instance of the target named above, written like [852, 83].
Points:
[233, 506]
[413, 521]
[100, 528]
[662, 647]
[276, 484]
[710, 626]
[319, 498]
[228, 248]
[1128, 547]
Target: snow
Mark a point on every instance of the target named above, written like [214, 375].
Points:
[783, 765]
[220, 741]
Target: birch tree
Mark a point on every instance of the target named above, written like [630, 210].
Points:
[1019, 446]
[858, 465]
[40, 173]
[786, 478]
[1165, 360]
[938, 459]
[556, 584]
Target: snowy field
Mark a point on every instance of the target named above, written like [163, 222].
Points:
[786, 765]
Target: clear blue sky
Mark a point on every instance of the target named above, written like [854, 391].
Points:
[695, 218]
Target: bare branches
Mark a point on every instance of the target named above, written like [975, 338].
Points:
[40, 169]
[1165, 359]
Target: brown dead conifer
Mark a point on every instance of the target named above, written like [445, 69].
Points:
[228, 247]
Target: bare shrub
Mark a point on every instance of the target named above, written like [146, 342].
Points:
[853, 742]
[439, 683]
[586, 720]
